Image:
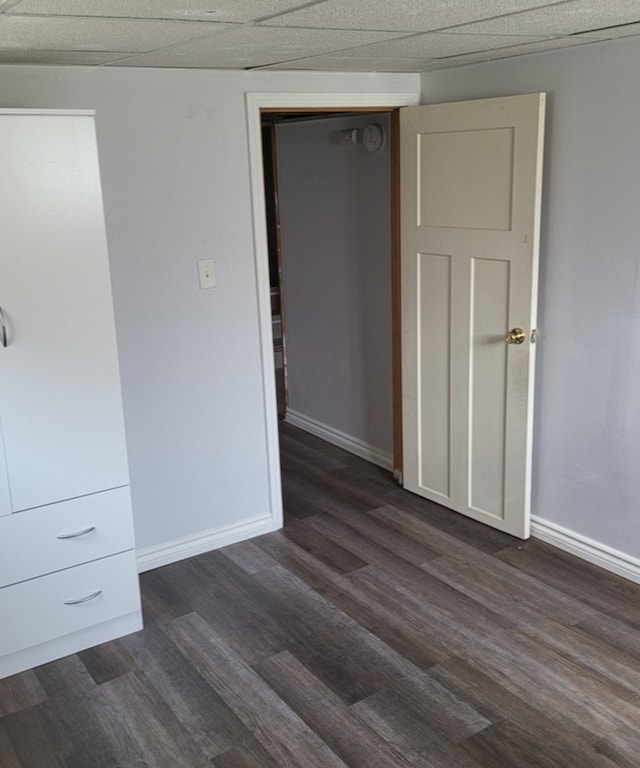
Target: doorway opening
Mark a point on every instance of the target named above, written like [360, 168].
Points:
[328, 197]
[305, 106]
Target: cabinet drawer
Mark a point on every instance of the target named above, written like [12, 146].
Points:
[92, 526]
[36, 611]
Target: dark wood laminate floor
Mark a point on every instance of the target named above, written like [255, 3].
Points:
[375, 630]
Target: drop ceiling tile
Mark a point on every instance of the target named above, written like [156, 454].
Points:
[566, 19]
[398, 15]
[352, 63]
[195, 10]
[436, 45]
[331, 63]
[346, 64]
[200, 59]
[58, 34]
[242, 47]
[613, 33]
[553, 44]
[59, 58]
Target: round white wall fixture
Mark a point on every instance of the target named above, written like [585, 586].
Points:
[373, 138]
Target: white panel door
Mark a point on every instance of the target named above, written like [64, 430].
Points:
[471, 184]
[60, 400]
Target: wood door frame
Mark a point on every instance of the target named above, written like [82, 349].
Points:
[256, 104]
[272, 207]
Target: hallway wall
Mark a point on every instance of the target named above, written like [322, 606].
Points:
[336, 260]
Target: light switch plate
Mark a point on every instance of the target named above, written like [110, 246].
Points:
[206, 274]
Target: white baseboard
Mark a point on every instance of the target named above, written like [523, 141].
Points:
[587, 549]
[569, 541]
[179, 549]
[341, 439]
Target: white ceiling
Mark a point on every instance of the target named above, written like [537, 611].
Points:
[331, 35]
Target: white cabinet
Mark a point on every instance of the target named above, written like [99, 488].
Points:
[64, 498]
[64, 534]
[66, 602]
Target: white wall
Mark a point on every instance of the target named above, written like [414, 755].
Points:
[336, 262]
[174, 158]
[587, 426]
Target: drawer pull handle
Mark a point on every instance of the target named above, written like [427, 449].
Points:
[77, 534]
[86, 599]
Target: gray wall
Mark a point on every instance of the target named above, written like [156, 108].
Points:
[587, 425]
[175, 167]
[336, 261]
[176, 183]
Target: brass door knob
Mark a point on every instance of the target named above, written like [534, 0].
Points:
[515, 336]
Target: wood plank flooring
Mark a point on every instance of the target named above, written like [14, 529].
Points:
[376, 630]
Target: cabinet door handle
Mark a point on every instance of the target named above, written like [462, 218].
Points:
[77, 534]
[3, 329]
[79, 600]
